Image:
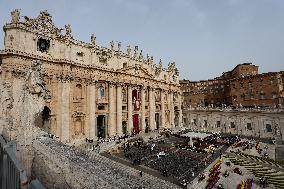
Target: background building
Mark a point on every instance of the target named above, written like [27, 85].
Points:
[241, 87]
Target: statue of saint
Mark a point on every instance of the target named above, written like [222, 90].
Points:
[152, 59]
[128, 50]
[35, 82]
[15, 16]
[118, 46]
[93, 39]
[68, 30]
[141, 55]
[112, 45]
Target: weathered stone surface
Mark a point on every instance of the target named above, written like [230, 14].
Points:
[255, 123]
[61, 166]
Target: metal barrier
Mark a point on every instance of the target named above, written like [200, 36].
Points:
[12, 173]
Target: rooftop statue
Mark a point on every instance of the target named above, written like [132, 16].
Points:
[141, 55]
[15, 16]
[118, 46]
[68, 30]
[135, 51]
[128, 50]
[112, 45]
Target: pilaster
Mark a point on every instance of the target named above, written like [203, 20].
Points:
[118, 110]
[129, 113]
[152, 109]
[143, 109]
[65, 111]
[172, 110]
[111, 122]
[92, 110]
[163, 121]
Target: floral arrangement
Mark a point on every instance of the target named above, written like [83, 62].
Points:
[245, 184]
[214, 174]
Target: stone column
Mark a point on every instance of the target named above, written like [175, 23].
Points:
[163, 117]
[281, 128]
[169, 109]
[118, 110]
[92, 110]
[58, 110]
[143, 108]
[180, 111]
[261, 127]
[111, 117]
[129, 113]
[172, 110]
[65, 111]
[152, 109]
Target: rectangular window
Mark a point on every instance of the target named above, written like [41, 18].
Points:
[233, 125]
[218, 123]
[268, 128]
[249, 127]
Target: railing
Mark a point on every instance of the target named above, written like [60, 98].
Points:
[12, 173]
[229, 109]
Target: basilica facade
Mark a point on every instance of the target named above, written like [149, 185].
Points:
[93, 91]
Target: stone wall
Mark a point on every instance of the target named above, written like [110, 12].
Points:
[263, 124]
[61, 166]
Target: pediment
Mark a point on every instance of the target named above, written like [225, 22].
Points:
[136, 70]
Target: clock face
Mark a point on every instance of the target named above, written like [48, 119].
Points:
[43, 45]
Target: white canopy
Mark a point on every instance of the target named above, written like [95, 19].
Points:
[195, 135]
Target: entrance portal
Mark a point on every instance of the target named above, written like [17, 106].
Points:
[157, 120]
[101, 126]
[136, 129]
[124, 127]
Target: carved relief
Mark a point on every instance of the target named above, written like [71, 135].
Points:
[35, 82]
[42, 24]
[78, 130]
[6, 98]
[103, 55]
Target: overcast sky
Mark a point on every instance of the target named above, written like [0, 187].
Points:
[203, 37]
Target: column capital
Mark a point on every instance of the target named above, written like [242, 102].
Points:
[130, 86]
[112, 84]
[151, 89]
[91, 81]
[65, 78]
[143, 87]
[119, 84]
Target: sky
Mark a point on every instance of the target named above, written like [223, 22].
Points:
[203, 37]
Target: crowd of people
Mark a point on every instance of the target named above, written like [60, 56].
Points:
[176, 159]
